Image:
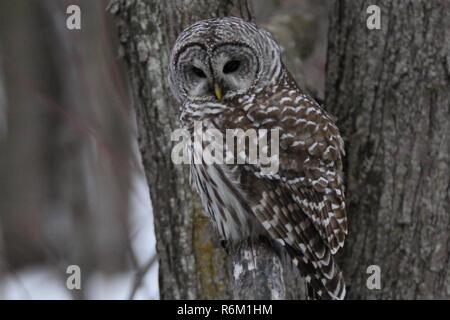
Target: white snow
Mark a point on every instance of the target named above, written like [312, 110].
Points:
[44, 282]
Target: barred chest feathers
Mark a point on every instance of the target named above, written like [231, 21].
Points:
[219, 186]
[223, 199]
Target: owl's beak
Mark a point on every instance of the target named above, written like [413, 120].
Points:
[217, 91]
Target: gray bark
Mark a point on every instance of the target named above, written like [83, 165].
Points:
[390, 90]
[192, 263]
[258, 273]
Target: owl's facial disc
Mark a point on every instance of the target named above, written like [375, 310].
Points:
[195, 73]
[235, 68]
[228, 70]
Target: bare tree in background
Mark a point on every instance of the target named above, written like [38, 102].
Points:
[65, 142]
[193, 265]
[390, 91]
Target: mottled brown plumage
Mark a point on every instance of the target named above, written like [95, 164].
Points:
[302, 206]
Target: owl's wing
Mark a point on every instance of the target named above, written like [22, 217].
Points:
[310, 164]
[302, 205]
[277, 208]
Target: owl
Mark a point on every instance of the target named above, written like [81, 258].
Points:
[227, 74]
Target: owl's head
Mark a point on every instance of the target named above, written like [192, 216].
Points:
[220, 58]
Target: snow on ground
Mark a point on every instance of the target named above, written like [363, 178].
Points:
[34, 283]
[144, 236]
[41, 282]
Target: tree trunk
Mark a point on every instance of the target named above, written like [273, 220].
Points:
[390, 90]
[192, 263]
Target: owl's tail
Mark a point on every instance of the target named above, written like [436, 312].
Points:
[312, 294]
[324, 279]
[328, 289]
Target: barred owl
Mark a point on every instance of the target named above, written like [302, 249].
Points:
[227, 74]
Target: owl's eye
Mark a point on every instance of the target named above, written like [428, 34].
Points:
[231, 66]
[198, 72]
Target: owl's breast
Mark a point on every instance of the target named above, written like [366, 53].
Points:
[225, 201]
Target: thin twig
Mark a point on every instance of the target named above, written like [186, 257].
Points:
[140, 275]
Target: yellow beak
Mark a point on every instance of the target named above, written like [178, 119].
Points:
[217, 92]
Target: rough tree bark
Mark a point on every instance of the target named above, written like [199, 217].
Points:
[390, 90]
[192, 263]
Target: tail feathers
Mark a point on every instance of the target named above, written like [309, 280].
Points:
[327, 293]
[311, 293]
[323, 277]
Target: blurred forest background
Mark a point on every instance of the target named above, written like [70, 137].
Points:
[72, 188]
